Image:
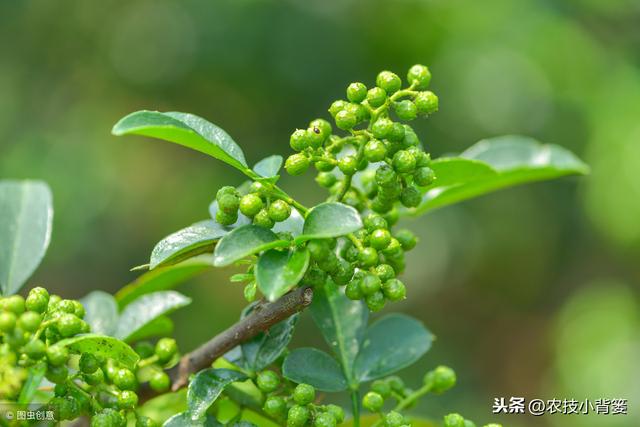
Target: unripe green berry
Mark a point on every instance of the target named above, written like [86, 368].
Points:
[441, 379]
[336, 411]
[298, 416]
[424, 176]
[372, 401]
[385, 272]
[388, 81]
[375, 301]
[78, 309]
[375, 150]
[37, 300]
[394, 419]
[376, 97]
[343, 274]
[304, 394]
[88, 363]
[368, 257]
[268, 381]
[337, 106]
[346, 119]
[374, 221]
[66, 306]
[380, 238]
[314, 277]
[348, 165]
[396, 134]
[69, 325]
[352, 291]
[385, 176]
[263, 219]
[226, 190]
[394, 290]
[57, 374]
[382, 388]
[410, 138]
[411, 197]
[406, 110]
[356, 92]
[316, 136]
[229, 203]
[160, 382]
[127, 399]
[35, 349]
[225, 218]
[325, 419]
[404, 161]
[258, 188]
[124, 379]
[296, 164]
[325, 165]
[382, 127]
[143, 421]
[407, 239]
[318, 249]
[326, 179]
[329, 264]
[323, 125]
[250, 205]
[57, 355]
[453, 420]
[396, 383]
[279, 210]
[166, 348]
[7, 321]
[14, 304]
[360, 111]
[274, 406]
[392, 217]
[426, 102]
[370, 284]
[94, 378]
[419, 77]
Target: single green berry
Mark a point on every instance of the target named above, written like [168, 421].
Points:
[337, 106]
[57, 355]
[441, 379]
[229, 203]
[385, 272]
[14, 304]
[304, 394]
[396, 135]
[323, 125]
[411, 197]
[381, 387]
[385, 176]
[57, 374]
[380, 239]
[382, 127]
[453, 420]
[69, 325]
[356, 92]
[406, 110]
[375, 301]
[394, 290]
[343, 273]
[274, 406]
[94, 378]
[348, 165]
[279, 210]
[368, 257]
[227, 190]
[35, 349]
[407, 239]
[426, 102]
[410, 138]
[325, 419]
[124, 379]
[298, 416]
[404, 161]
[268, 381]
[326, 179]
[419, 77]
[89, 363]
[352, 291]
[336, 411]
[346, 119]
[318, 249]
[7, 321]
[37, 300]
[392, 217]
[314, 277]
[66, 306]
[224, 218]
[326, 165]
[299, 140]
[374, 221]
[250, 205]
[358, 110]
[388, 81]
[160, 382]
[296, 164]
[263, 219]
[372, 401]
[424, 176]
[394, 419]
[166, 348]
[143, 421]
[127, 399]
[60, 390]
[376, 97]
[316, 136]
[375, 150]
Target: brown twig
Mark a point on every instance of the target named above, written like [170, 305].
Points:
[262, 317]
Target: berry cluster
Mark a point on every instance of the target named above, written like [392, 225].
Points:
[258, 204]
[295, 405]
[31, 332]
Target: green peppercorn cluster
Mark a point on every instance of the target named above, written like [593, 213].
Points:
[32, 331]
[258, 204]
[295, 405]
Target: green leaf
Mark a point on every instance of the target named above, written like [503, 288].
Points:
[103, 346]
[205, 388]
[515, 160]
[342, 323]
[262, 350]
[26, 214]
[161, 326]
[185, 129]
[277, 271]
[269, 166]
[330, 220]
[163, 278]
[457, 170]
[194, 240]
[244, 241]
[314, 367]
[183, 419]
[390, 344]
[145, 309]
[30, 386]
[101, 312]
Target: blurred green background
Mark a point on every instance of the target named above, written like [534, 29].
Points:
[532, 292]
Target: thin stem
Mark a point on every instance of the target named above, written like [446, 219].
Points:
[355, 407]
